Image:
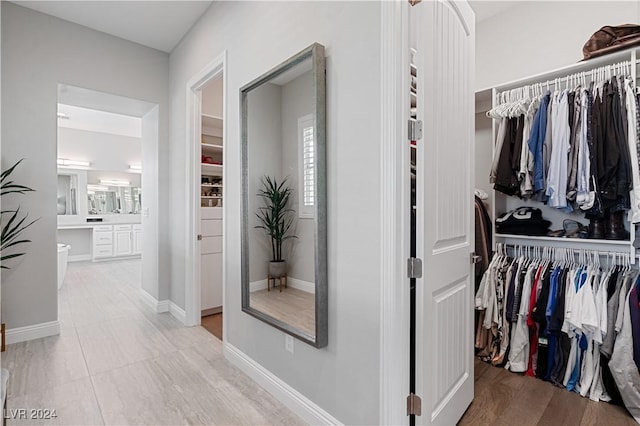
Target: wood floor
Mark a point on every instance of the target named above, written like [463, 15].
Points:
[293, 306]
[505, 398]
[116, 362]
[213, 324]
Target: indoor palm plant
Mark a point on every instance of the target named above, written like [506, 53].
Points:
[13, 222]
[276, 218]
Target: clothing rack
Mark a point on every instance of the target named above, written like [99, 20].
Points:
[572, 80]
[558, 253]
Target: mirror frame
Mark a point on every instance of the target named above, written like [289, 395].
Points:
[315, 52]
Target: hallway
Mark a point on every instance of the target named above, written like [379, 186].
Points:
[116, 362]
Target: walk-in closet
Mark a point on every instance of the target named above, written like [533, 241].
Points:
[558, 299]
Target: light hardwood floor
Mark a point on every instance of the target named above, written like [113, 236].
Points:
[292, 306]
[505, 398]
[116, 362]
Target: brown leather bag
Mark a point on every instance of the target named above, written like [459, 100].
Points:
[611, 38]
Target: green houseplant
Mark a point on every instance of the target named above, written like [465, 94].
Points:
[276, 218]
[13, 221]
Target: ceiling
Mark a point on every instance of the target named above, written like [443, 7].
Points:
[157, 24]
[487, 9]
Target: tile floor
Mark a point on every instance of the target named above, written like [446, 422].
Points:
[117, 362]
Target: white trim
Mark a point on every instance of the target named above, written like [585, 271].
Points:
[257, 286]
[194, 87]
[32, 332]
[157, 306]
[395, 224]
[291, 398]
[79, 258]
[301, 285]
[177, 312]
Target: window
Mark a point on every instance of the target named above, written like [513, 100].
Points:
[306, 166]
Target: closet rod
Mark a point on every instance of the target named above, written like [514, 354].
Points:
[588, 74]
[575, 251]
[623, 55]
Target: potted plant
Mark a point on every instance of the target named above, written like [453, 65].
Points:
[13, 224]
[276, 218]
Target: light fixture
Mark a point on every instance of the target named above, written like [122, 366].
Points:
[92, 187]
[114, 182]
[135, 168]
[73, 163]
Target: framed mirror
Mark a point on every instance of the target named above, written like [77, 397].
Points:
[284, 201]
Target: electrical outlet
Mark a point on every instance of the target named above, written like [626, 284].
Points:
[288, 343]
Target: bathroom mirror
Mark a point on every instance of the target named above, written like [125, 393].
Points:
[113, 199]
[67, 194]
[284, 232]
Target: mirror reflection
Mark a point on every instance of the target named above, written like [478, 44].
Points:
[283, 175]
[113, 199]
[67, 194]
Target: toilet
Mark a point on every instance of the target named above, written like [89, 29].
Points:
[63, 256]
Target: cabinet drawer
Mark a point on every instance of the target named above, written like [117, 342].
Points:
[122, 227]
[211, 245]
[137, 227]
[99, 228]
[211, 227]
[103, 251]
[102, 238]
[211, 213]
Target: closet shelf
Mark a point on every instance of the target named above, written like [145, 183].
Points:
[577, 241]
[212, 185]
[211, 196]
[212, 146]
[214, 166]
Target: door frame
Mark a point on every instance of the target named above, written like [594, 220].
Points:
[395, 223]
[214, 69]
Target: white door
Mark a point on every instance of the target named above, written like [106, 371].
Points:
[137, 239]
[445, 232]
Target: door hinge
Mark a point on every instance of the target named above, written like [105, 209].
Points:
[199, 237]
[415, 130]
[414, 405]
[475, 258]
[414, 267]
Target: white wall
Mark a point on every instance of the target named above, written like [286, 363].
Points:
[342, 378]
[297, 101]
[212, 98]
[38, 52]
[105, 151]
[538, 36]
[264, 130]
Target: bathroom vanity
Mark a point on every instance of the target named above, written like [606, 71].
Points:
[99, 221]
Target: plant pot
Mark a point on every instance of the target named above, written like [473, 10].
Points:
[277, 269]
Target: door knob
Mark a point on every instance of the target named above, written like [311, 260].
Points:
[199, 237]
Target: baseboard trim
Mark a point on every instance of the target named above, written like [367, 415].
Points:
[257, 286]
[156, 305]
[301, 285]
[291, 398]
[79, 258]
[177, 312]
[32, 332]
[211, 311]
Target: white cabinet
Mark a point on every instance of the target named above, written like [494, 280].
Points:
[102, 241]
[123, 240]
[137, 239]
[211, 258]
[110, 241]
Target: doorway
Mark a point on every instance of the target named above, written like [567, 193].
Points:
[107, 160]
[204, 227]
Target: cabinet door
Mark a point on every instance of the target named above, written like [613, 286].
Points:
[122, 243]
[137, 241]
[211, 280]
